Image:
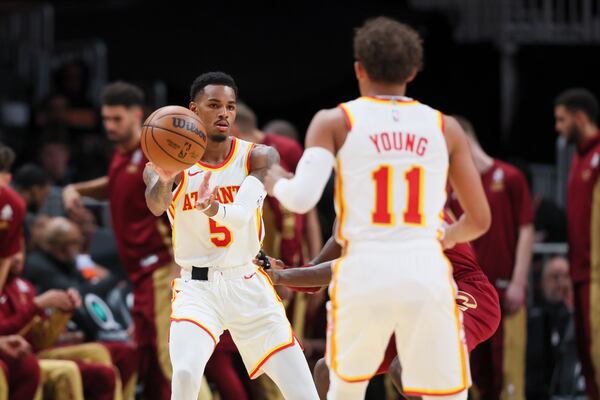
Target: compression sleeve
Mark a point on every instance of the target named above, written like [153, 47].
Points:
[302, 192]
[248, 198]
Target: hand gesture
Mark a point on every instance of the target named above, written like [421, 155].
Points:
[55, 298]
[14, 346]
[205, 195]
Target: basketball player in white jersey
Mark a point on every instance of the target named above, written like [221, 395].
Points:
[216, 215]
[392, 157]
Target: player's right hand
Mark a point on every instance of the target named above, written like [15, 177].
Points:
[164, 176]
[275, 263]
[55, 298]
[71, 197]
[14, 346]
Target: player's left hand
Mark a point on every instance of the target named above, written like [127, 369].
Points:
[275, 263]
[275, 173]
[14, 346]
[514, 297]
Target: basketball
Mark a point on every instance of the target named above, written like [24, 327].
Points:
[173, 138]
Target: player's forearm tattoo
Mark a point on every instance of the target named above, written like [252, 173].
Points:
[263, 157]
[158, 193]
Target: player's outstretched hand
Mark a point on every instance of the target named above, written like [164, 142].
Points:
[14, 346]
[164, 176]
[275, 173]
[71, 198]
[205, 195]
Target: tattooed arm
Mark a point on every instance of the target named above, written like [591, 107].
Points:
[159, 185]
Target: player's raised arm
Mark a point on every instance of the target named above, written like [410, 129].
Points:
[95, 188]
[248, 198]
[466, 183]
[325, 135]
[159, 185]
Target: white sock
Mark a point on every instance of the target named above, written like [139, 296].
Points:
[289, 370]
[190, 348]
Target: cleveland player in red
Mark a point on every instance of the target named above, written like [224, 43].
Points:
[504, 253]
[476, 298]
[143, 240]
[576, 113]
[20, 369]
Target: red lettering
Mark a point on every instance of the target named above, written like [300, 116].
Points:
[421, 146]
[187, 205]
[226, 195]
[374, 140]
[410, 142]
[397, 139]
[385, 141]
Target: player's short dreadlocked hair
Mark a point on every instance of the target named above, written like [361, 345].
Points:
[211, 78]
[388, 50]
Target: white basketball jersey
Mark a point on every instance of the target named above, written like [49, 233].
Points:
[391, 171]
[198, 240]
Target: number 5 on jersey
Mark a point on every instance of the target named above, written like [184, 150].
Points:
[220, 236]
[383, 213]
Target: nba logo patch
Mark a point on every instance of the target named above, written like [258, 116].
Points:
[7, 213]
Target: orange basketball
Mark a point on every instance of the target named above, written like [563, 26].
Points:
[173, 138]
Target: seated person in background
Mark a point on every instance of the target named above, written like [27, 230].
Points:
[54, 266]
[32, 184]
[43, 319]
[19, 369]
[85, 220]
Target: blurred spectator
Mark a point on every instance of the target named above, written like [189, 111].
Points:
[32, 183]
[54, 157]
[36, 232]
[576, 114]
[283, 128]
[54, 266]
[498, 364]
[552, 365]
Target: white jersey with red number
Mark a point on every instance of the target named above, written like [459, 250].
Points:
[198, 240]
[391, 171]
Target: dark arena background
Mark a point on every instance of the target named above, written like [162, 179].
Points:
[499, 63]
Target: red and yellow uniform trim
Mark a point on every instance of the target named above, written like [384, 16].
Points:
[347, 116]
[171, 210]
[461, 349]
[394, 101]
[248, 157]
[193, 321]
[289, 343]
[441, 123]
[225, 163]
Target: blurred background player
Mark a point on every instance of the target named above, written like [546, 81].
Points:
[143, 240]
[576, 114]
[504, 254]
[387, 146]
[215, 211]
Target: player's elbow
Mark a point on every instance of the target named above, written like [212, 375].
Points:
[481, 221]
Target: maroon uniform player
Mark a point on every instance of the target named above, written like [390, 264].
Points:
[576, 113]
[504, 253]
[22, 372]
[143, 240]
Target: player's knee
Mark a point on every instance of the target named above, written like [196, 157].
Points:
[395, 372]
[185, 376]
[321, 377]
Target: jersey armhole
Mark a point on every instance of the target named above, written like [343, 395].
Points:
[248, 158]
[347, 116]
[441, 122]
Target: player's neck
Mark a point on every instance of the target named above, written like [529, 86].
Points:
[131, 144]
[382, 89]
[482, 161]
[217, 152]
[589, 132]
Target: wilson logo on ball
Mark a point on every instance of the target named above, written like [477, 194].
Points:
[188, 125]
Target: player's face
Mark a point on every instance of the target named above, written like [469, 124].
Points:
[120, 122]
[565, 124]
[216, 107]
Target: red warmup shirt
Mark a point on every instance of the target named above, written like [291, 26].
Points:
[12, 216]
[290, 225]
[583, 210]
[17, 309]
[143, 240]
[511, 206]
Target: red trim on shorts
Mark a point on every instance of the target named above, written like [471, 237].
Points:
[434, 393]
[269, 355]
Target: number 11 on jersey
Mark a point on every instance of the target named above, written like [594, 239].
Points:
[383, 213]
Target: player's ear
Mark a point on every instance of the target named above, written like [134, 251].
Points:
[359, 71]
[412, 75]
[193, 106]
